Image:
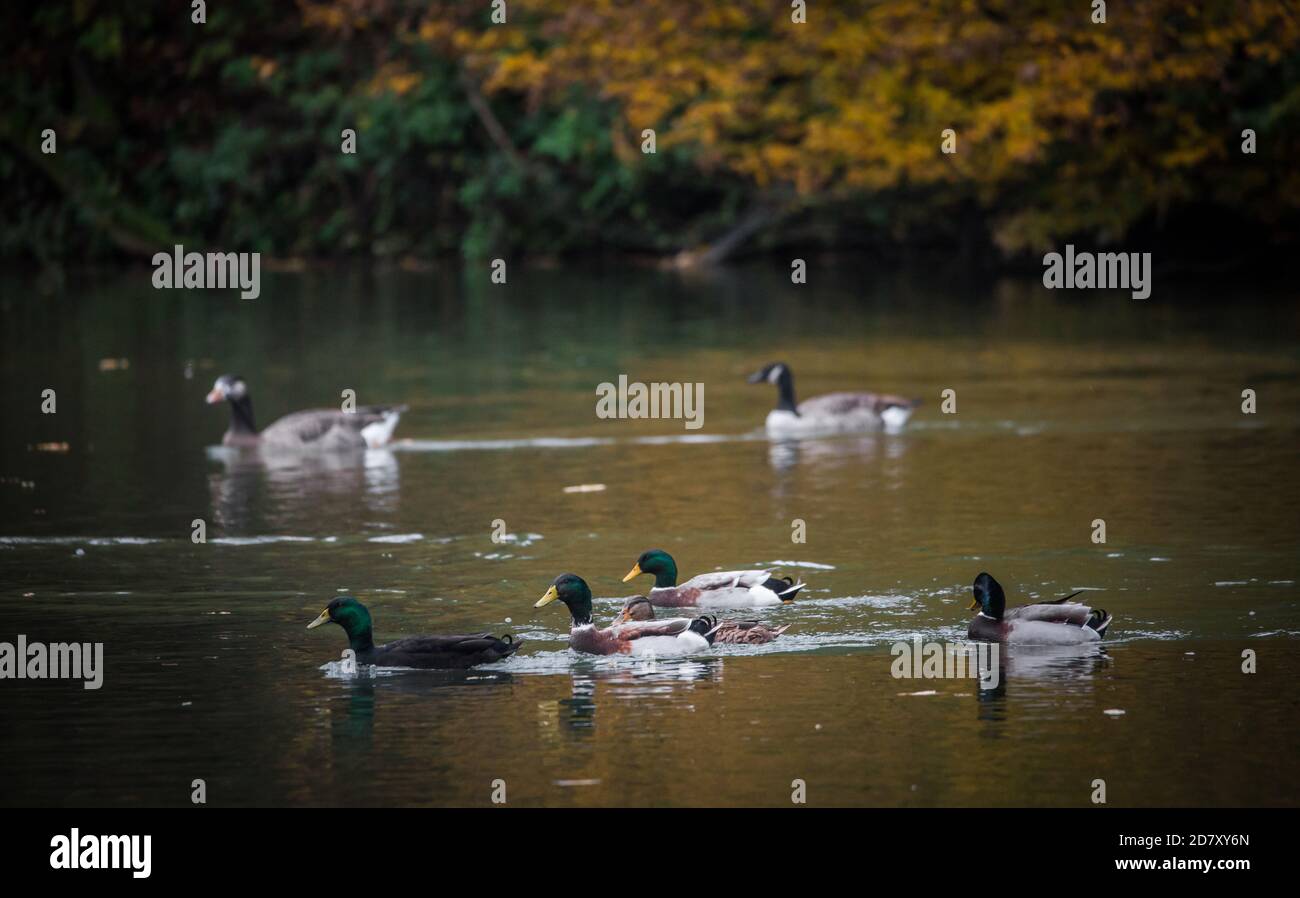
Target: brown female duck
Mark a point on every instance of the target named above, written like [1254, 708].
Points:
[735, 632]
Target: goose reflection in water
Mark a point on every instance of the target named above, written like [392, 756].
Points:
[257, 488]
[834, 453]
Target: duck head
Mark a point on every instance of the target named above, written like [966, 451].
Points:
[989, 597]
[231, 388]
[353, 617]
[777, 373]
[636, 608]
[658, 563]
[573, 591]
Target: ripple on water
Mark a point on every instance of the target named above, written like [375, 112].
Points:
[78, 540]
[808, 564]
[397, 538]
[498, 445]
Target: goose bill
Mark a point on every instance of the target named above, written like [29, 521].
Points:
[215, 396]
[324, 618]
[635, 572]
[551, 595]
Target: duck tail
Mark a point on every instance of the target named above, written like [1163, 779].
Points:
[380, 432]
[507, 645]
[1062, 599]
[1099, 620]
[785, 587]
[707, 626]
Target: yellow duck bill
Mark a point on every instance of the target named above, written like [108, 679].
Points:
[551, 595]
[324, 618]
[635, 572]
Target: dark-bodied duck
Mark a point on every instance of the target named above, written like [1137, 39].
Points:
[721, 589]
[679, 636]
[1059, 622]
[450, 652]
[831, 413]
[319, 429]
[733, 632]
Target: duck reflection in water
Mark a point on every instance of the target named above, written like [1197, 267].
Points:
[1064, 669]
[352, 724]
[594, 680]
[353, 730]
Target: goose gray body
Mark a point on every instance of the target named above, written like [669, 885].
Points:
[313, 430]
[831, 413]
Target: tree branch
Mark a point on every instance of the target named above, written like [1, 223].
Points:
[488, 119]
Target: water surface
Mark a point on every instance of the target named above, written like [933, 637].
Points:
[1069, 410]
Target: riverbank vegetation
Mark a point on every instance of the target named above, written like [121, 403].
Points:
[528, 138]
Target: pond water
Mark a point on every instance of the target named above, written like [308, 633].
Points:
[1069, 409]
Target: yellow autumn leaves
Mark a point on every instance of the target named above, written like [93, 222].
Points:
[856, 99]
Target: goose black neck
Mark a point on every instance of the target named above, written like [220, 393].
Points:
[241, 415]
[785, 392]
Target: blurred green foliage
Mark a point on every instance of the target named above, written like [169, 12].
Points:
[480, 140]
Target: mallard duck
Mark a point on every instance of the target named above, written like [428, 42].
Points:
[1059, 622]
[679, 636]
[722, 589]
[832, 413]
[412, 651]
[370, 426]
[736, 632]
